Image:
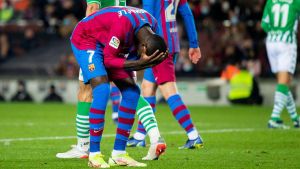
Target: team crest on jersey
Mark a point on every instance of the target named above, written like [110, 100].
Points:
[91, 67]
[114, 42]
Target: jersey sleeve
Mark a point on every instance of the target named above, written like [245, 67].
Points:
[113, 48]
[148, 5]
[186, 13]
[265, 22]
[93, 1]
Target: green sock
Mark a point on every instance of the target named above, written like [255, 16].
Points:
[280, 100]
[146, 116]
[82, 119]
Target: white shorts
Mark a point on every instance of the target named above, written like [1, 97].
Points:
[282, 56]
[80, 76]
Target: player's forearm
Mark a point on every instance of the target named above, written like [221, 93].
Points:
[133, 65]
[189, 24]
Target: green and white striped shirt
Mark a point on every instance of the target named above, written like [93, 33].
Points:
[280, 20]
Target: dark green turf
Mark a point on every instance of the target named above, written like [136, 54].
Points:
[257, 147]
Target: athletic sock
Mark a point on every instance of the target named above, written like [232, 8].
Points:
[97, 115]
[147, 120]
[117, 152]
[115, 97]
[82, 125]
[91, 154]
[280, 101]
[126, 112]
[182, 115]
[291, 107]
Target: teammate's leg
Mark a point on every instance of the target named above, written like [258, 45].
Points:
[181, 114]
[82, 123]
[148, 92]
[282, 57]
[291, 107]
[280, 99]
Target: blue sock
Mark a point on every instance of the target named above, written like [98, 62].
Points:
[126, 112]
[115, 97]
[97, 115]
[152, 101]
[180, 112]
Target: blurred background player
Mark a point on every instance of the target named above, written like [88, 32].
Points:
[162, 76]
[280, 21]
[85, 96]
[102, 58]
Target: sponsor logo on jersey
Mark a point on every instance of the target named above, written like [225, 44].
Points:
[114, 42]
[91, 67]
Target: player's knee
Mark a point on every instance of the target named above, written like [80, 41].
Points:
[148, 88]
[131, 94]
[85, 93]
[168, 89]
[101, 91]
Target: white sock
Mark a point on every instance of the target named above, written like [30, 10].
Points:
[193, 134]
[154, 135]
[139, 136]
[117, 152]
[94, 153]
[280, 101]
[290, 106]
[83, 143]
[114, 115]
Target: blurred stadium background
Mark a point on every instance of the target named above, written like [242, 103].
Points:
[34, 36]
[36, 59]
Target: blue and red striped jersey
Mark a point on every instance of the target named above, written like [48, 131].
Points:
[115, 29]
[165, 12]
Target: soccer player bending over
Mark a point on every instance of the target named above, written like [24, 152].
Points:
[85, 97]
[280, 21]
[101, 42]
[162, 76]
[144, 110]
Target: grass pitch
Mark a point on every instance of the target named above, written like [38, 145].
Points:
[235, 137]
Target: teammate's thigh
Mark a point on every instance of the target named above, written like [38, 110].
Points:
[168, 89]
[90, 62]
[282, 57]
[165, 71]
[84, 92]
[287, 58]
[149, 85]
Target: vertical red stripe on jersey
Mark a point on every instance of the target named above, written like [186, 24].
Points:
[163, 21]
[172, 36]
[149, 19]
[136, 20]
